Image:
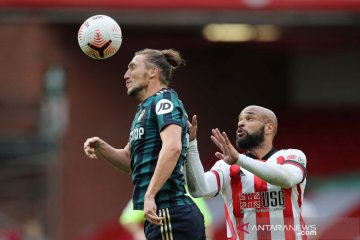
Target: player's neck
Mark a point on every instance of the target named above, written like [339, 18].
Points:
[150, 90]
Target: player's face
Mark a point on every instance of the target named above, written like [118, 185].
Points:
[136, 76]
[250, 131]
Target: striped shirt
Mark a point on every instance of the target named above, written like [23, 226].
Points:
[152, 116]
[255, 209]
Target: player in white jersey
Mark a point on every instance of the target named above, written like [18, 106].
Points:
[262, 188]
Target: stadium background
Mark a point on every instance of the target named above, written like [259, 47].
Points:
[53, 97]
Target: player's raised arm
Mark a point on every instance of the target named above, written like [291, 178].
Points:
[282, 175]
[199, 182]
[118, 158]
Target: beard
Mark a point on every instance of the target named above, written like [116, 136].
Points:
[251, 141]
[134, 91]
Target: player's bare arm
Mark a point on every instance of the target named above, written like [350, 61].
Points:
[118, 158]
[284, 176]
[168, 157]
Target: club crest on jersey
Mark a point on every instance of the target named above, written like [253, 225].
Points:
[164, 106]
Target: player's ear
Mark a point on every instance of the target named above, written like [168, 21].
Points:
[269, 128]
[153, 72]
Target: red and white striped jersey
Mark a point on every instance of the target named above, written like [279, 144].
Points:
[255, 209]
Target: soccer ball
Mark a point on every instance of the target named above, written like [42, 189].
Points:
[100, 37]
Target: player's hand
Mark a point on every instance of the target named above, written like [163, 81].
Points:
[192, 128]
[228, 152]
[90, 147]
[150, 211]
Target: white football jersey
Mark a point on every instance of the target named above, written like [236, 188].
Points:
[255, 209]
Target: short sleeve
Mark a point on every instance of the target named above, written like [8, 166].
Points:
[168, 110]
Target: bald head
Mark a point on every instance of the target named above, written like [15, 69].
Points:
[264, 114]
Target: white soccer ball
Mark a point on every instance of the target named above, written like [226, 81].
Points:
[100, 37]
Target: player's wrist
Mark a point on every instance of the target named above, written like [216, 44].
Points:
[100, 145]
[192, 146]
[238, 160]
[193, 142]
[149, 195]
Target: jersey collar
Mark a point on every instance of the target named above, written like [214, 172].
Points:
[266, 157]
[147, 101]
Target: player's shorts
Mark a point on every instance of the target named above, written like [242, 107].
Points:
[179, 223]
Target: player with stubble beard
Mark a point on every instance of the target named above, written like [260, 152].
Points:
[156, 151]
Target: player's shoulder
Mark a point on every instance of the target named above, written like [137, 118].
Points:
[221, 164]
[292, 154]
[165, 101]
[166, 93]
[292, 151]
[226, 171]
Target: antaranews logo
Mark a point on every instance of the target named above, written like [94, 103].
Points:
[304, 230]
[244, 227]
